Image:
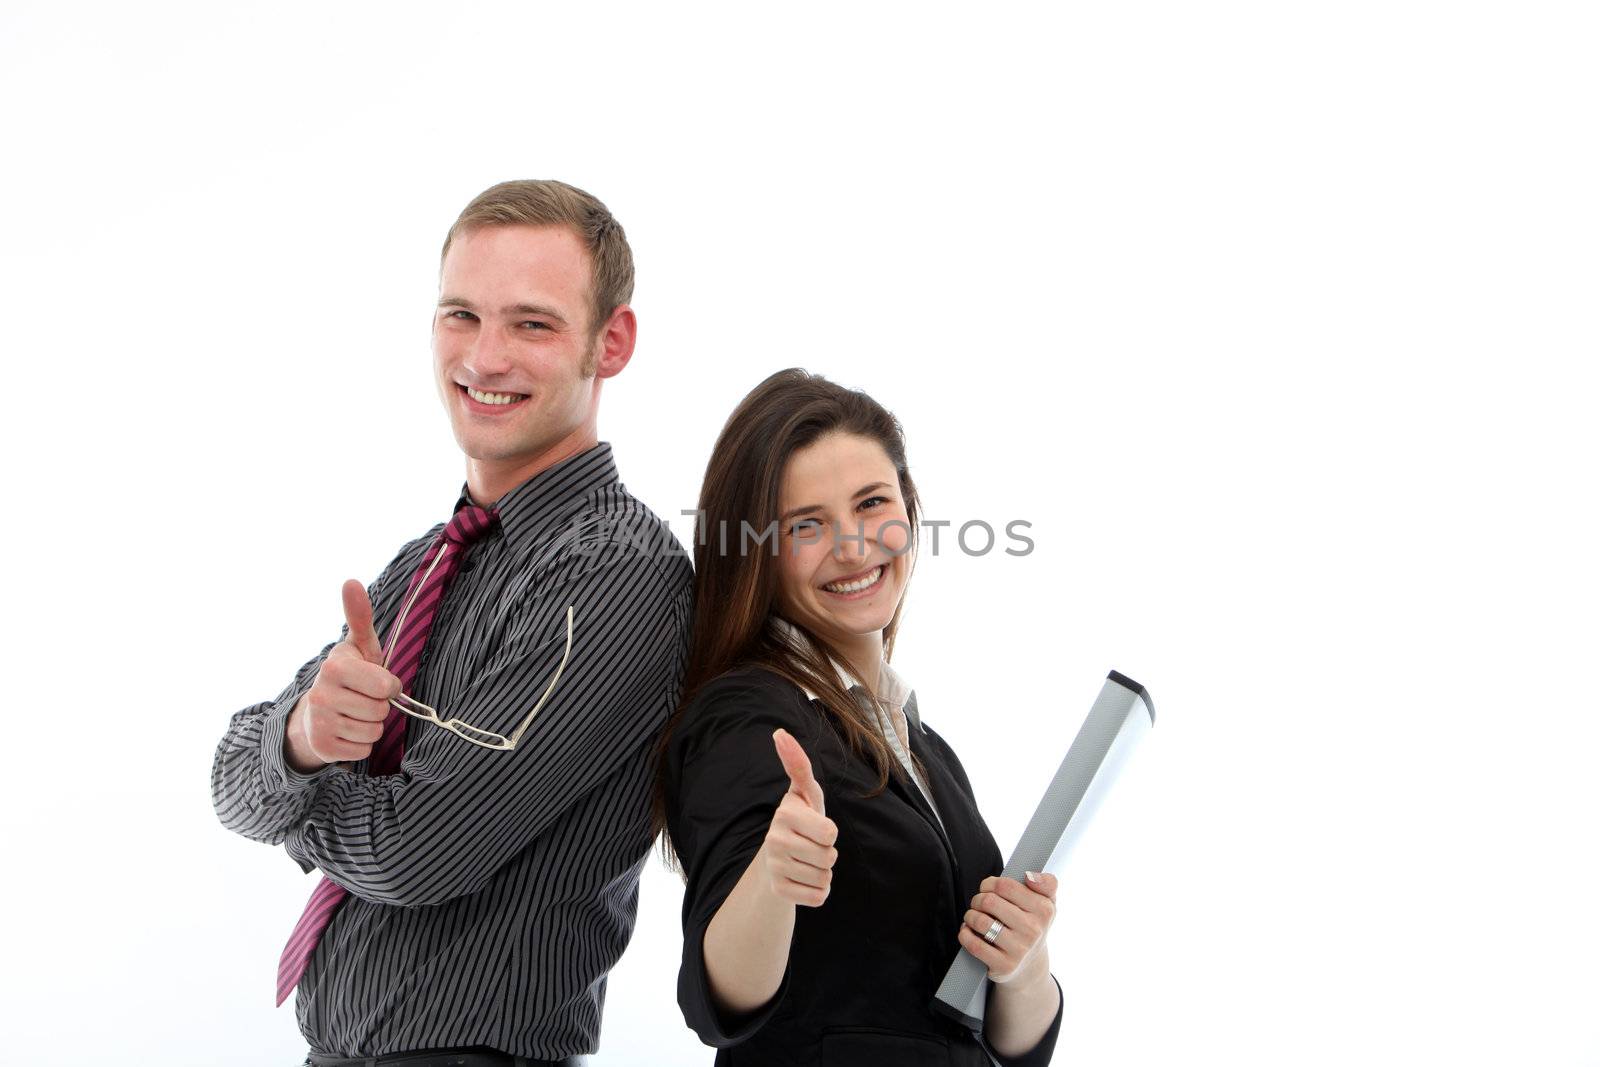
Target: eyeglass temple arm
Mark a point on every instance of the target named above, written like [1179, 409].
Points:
[516, 734]
[405, 702]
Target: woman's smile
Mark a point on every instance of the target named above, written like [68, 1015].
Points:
[857, 586]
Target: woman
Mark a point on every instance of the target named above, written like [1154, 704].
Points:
[833, 856]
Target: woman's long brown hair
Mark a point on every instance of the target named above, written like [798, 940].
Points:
[736, 581]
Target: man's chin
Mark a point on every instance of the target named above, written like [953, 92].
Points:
[508, 444]
[502, 456]
[486, 448]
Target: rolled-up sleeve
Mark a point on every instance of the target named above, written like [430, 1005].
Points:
[723, 783]
[1039, 1055]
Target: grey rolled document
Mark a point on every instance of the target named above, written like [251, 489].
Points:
[1122, 714]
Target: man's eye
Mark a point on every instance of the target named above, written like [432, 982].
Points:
[459, 315]
[536, 325]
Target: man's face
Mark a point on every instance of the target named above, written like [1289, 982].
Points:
[513, 348]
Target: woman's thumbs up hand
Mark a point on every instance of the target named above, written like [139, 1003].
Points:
[797, 765]
[798, 850]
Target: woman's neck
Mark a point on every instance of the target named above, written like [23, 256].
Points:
[863, 654]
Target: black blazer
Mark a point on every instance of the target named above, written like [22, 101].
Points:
[862, 968]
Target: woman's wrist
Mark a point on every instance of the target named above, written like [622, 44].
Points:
[1032, 975]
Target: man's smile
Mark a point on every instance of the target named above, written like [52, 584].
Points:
[478, 400]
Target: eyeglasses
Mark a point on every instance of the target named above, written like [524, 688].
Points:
[465, 730]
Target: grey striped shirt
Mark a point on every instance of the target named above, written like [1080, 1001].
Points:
[491, 891]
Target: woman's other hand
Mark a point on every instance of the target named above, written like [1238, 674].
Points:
[798, 853]
[1024, 911]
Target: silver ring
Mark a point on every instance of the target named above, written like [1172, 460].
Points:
[992, 934]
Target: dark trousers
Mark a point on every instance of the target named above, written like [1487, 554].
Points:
[445, 1057]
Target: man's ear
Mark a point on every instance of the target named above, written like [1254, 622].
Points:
[616, 342]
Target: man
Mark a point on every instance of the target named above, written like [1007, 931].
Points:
[482, 851]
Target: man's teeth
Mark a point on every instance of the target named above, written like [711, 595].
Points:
[493, 398]
[855, 586]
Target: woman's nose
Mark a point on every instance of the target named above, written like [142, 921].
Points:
[849, 542]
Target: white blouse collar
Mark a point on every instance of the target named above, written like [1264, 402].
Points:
[896, 690]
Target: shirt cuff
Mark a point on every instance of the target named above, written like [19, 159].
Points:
[276, 774]
[294, 848]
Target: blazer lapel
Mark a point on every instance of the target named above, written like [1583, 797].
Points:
[939, 784]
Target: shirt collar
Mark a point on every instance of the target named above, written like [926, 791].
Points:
[551, 493]
[896, 690]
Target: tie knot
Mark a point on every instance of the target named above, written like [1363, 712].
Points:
[469, 524]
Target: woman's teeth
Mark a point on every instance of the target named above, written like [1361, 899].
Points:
[857, 585]
[494, 398]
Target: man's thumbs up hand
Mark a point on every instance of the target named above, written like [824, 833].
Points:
[341, 716]
[358, 616]
[798, 850]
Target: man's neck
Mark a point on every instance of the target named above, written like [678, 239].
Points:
[489, 480]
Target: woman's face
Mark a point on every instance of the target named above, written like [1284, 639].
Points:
[843, 536]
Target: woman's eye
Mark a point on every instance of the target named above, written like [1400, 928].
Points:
[804, 526]
[873, 501]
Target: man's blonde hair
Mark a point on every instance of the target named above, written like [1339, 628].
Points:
[546, 202]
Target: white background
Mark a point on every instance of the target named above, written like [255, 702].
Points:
[1276, 320]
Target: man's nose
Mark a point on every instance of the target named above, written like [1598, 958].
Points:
[489, 354]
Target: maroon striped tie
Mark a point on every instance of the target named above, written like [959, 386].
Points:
[404, 652]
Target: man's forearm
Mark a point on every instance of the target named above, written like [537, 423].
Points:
[255, 791]
[456, 812]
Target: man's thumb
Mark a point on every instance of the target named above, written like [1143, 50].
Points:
[798, 766]
[358, 616]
